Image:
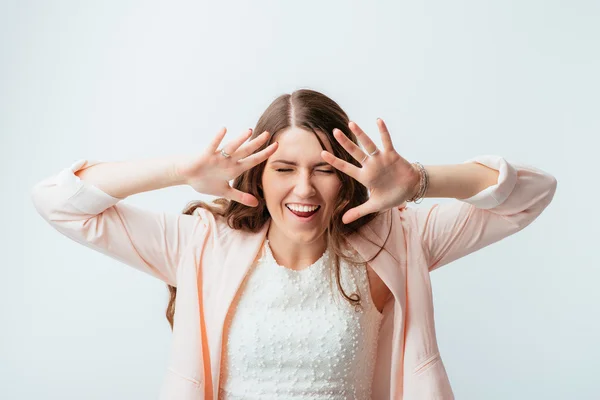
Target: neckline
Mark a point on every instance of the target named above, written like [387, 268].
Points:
[322, 260]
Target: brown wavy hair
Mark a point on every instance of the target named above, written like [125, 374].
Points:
[315, 112]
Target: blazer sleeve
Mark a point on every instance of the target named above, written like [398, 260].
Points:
[152, 242]
[453, 230]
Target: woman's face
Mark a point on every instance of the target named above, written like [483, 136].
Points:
[296, 175]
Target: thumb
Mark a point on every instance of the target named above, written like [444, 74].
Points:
[355, 213]
[242, 197]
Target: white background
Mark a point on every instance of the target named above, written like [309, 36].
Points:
[117, 80]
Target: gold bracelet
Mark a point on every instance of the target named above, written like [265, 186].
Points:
[423, 184]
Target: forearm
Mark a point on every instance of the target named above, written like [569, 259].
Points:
[125, 178]
[459, 181]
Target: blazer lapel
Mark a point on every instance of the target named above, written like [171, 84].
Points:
[236, 263]
[386, 265]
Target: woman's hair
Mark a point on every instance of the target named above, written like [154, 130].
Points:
[312, 111]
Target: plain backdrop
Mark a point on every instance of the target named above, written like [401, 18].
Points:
[120, 80]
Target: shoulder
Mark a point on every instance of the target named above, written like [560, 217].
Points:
[213, 223]
[223, 235]
[393, 229]
[391, 221]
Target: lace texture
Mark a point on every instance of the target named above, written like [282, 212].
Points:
[291, 337]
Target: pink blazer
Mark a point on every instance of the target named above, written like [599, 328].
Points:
[207, 261]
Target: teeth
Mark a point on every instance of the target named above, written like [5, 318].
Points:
[295, 207]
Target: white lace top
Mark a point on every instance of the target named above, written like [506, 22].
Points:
[291, 337]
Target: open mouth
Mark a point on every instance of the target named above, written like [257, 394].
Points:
[304, 215]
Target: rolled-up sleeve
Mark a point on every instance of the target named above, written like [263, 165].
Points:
[152, 242]
[455, 229]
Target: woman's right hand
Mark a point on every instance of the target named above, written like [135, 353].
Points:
[210, 172]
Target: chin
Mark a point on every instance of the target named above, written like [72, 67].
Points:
[305, 237]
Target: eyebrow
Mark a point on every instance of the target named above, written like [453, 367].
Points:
[320, 164]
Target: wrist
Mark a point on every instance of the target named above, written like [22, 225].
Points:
[415, 181]
[423, 183]
[174, 170]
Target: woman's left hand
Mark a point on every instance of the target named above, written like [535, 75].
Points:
[390, 178]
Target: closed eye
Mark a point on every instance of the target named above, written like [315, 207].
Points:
[319, 170]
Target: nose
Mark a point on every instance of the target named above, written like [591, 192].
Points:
[304, 187]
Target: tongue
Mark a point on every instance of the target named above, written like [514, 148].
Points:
[303, 214]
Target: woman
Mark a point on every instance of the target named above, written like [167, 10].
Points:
[253, 309]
